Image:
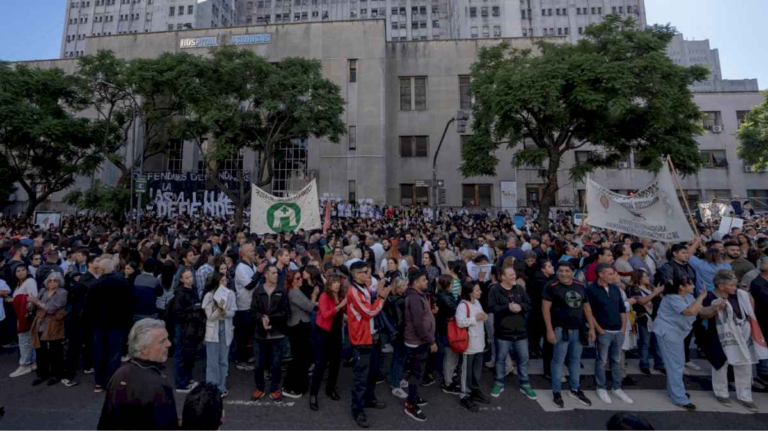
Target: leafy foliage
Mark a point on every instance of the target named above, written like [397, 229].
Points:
[753, 137]
[616, 91]
[101, 199]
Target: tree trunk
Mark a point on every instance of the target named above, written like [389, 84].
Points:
[31, 206]
[549, 194]
[239, 211]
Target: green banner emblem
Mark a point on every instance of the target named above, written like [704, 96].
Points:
[283, 217]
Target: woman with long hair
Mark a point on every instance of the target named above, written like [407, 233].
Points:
[645, 296]
[185, 298]
[430, 268]
[714, 260]
[330, 319]
[27, 289]
[469, 314]
[219, 330]
[446, 309]
[297, 378]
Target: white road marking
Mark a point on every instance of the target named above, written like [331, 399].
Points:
[536, 367]
[258, 403]
[654, 400]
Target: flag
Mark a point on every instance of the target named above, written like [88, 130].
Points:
[327, 221]
[653, 212]
[271, 214]
[714, 210]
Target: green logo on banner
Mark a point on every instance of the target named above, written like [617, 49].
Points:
[283, 217]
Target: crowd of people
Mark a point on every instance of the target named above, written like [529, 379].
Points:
[402, 299]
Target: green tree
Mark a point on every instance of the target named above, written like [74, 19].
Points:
[42, 141]
[101, 199]
[239, 101]
[615, 90]
[753, 137]
[7, 180]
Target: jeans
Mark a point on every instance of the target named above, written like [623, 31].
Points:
[297, 378]
[418, 359]
[106, 354]
[181, 367]
[673, 352]
[328, 351]
[568, 345]
[520, 349]
[471, 369]
[243, 334]
[399, 354]
[608, 348]
[364, 376]
[762, 367]
[217, 359]
[28, 356]
[50, 359]
[489, 336]
[270, 355]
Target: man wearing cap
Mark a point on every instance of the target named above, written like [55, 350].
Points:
[50, 265]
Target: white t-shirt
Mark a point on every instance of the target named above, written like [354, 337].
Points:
[243, 276]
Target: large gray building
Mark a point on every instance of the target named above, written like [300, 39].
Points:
[697, 52]
[86, 18]
[399, 96]
[452, 19]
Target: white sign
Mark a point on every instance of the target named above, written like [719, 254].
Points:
[653, 212]
[251, 39]
[714, 210]
[199, 42]
[271, 214]
[728, 223]
[45, 219]
[509, 195]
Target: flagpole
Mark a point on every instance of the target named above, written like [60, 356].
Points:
[682, 192]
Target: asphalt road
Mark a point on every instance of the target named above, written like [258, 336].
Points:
[59, 407]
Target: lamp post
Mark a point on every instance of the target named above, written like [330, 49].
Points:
[461, 127]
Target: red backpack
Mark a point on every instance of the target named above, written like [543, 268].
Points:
[458, 338]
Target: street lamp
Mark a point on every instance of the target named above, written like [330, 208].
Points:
[461, 119]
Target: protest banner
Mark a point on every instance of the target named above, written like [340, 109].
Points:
[272, 214]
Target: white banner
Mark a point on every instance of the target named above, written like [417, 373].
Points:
[509, 195]
[728, 223]
[653, 212]
[271, 214]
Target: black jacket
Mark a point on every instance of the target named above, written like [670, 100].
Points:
[415, 251]
[139, 397]
[109, 305]
[446, 309]
[276, 307]
[506, 324]
[671, 271]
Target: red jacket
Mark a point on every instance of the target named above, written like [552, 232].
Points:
[20, 307]
[326, 312]
[360, 311]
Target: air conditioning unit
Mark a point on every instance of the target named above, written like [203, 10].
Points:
[623, 165]
[717, 129]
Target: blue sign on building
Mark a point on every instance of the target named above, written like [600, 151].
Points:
[251, 39]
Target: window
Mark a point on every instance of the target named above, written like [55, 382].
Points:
[414, 146]
[465, 94]
[496, 11]
[719, 194]
[522, 14]
[473, 12]
[175, 156]
[486, 31]
[623, 162]
[533, 194]
[476, 195]
[352, 191]
[759, 198]
[172, 11]
[352, 70]
[741, 116]
[496, 31]
[290, 168]
[692, 196]
[190, 9]
[352, 134]
[410, 194]
[473, 32]
[181, 10]
[714, 159]
[413, 89]
[484, 12]
[712, 120]
[581, 30]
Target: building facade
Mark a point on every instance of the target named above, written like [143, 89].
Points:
[86, 18]
[451, 19]
[698, 52]
[399, 97]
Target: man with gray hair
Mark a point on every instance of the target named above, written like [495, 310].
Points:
[139, 396]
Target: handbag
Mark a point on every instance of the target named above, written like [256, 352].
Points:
[458, 338]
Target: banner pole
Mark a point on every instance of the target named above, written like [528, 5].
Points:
[685, 197]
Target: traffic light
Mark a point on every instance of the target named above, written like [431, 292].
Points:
[461, 121]
[441, 200]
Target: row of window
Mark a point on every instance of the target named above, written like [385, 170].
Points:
[87, 3]
[495, 11]
[172, 11]
[473, 31]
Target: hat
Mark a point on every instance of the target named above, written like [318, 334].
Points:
[27, 242]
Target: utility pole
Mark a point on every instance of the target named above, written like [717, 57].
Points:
[461, 127]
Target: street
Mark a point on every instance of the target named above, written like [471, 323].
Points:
[59, 407]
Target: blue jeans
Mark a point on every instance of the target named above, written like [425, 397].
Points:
[608, 348]
[646, 346]
[270, 354]
[217, 359]
[520, 350]
[673, 351]
[399, 354]
[106, 354]
[27, 357]
[567, 345]
[762, 366]
[182, 372]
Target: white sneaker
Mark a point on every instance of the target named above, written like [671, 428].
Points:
[603, 395]
[400, 393]
[691, 366]
[21, 371]
[622, 396]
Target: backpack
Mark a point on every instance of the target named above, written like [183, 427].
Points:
[458, 338]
